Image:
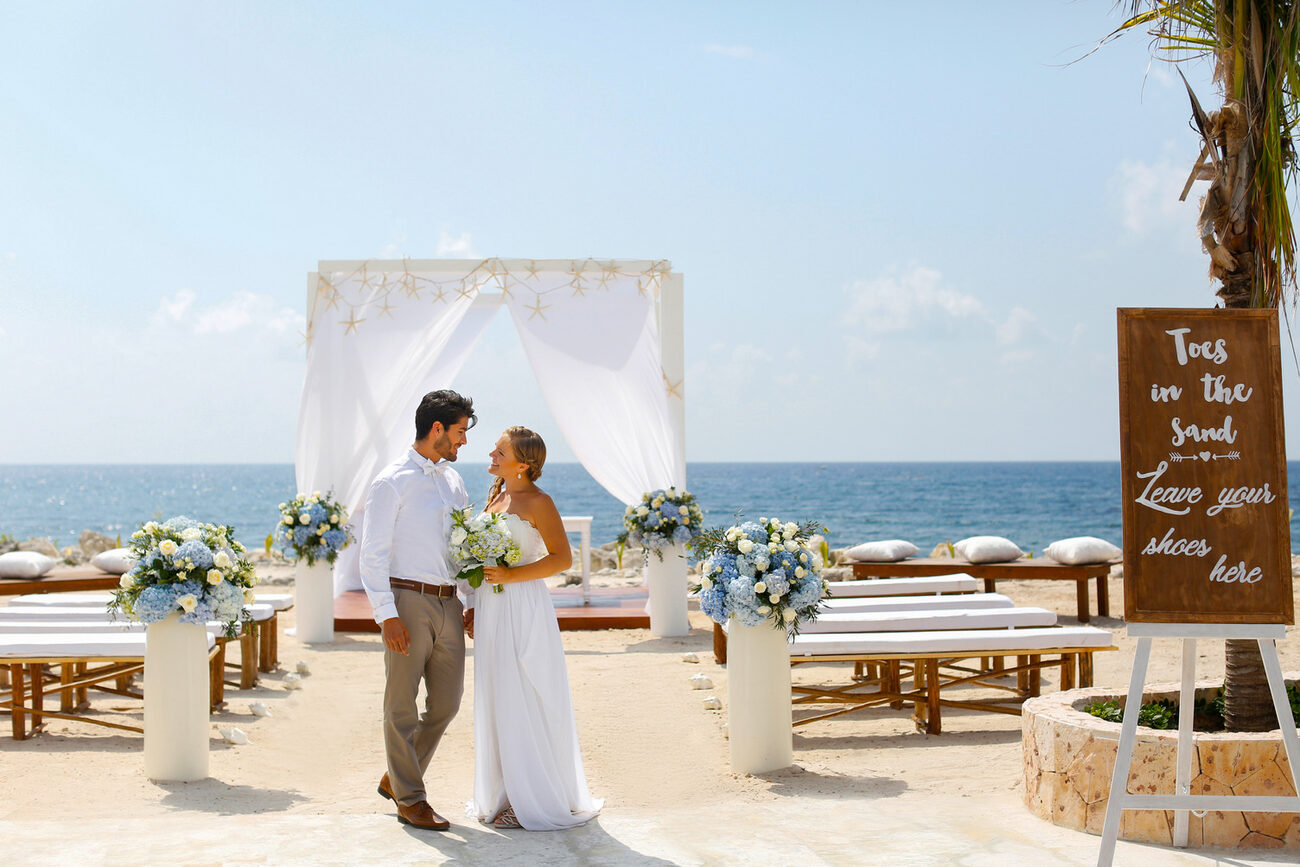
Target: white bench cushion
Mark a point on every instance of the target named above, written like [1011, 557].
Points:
[917, 621]
[64, 600]
[904, 586]
[917, 603]
[259, 612]
[970, 642]
[104, 645]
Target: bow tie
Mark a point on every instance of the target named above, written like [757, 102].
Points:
[432, 469]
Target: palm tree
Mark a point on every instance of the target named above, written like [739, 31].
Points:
[1249, 159]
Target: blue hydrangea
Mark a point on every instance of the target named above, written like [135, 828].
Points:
[653, 520]
[318, 513]
[196, 552]
[681, 535]
[226, 601]
[754, 532]
[807, 593]
[744, 566]
[302, 535]
[777, 583]
[179, 524]
[669, 511]
[154, 603]
[713, 602]
[335, 539]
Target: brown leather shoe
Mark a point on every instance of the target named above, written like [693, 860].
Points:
[385, 787]
[421, 815]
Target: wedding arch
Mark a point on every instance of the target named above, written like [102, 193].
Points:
[603, 338]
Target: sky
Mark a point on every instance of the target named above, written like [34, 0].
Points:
[903, 229]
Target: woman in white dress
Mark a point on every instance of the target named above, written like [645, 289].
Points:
[527, 765]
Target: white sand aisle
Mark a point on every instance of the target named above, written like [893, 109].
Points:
[866, 788]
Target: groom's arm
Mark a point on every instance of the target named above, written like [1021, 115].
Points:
[377, 548]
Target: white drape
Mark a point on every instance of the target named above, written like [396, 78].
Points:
[380, 339]
[596, 358]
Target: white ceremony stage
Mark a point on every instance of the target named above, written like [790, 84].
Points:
[603, 337]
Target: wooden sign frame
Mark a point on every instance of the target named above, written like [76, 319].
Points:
[1207, 536]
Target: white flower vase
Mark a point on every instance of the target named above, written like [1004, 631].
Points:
[176, 700]
[314, 601]
[667, 582]
[759, 722]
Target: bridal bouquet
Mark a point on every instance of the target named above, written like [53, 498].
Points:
[182, 565]
[479, 540]
[663, 518]
[761, 571]
[313, 528]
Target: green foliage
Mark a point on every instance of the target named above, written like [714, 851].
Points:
[1162, 714]
[6, 539]
[270, 540]
[620, 545]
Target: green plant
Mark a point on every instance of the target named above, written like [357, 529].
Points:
[619, 545]
[1162, 714]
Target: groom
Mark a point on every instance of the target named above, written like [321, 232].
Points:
[412, 588]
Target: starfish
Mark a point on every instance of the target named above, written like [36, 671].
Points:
[672, 387]
[386, 309]
[351, 323]
[537, 308]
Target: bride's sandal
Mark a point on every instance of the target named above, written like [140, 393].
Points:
[506, 819]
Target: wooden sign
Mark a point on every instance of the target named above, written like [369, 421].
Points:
[1206, 521]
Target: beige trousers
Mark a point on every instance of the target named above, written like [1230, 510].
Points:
[437, 654]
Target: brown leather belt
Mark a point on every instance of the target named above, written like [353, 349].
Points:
[422, 588]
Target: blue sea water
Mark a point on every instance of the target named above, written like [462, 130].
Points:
[1033, 504]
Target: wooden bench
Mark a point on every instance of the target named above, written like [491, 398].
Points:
[1032, 569]
[935, 658]
[84, 661]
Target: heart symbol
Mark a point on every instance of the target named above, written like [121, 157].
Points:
[1205, 456]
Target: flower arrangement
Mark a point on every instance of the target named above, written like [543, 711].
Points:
[479, 540]
[313, 528]
[662, 518]
[761, 571]
[182, 565]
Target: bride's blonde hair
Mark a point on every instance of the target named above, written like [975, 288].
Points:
[528, 448]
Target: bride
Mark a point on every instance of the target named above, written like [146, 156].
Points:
[527, 765]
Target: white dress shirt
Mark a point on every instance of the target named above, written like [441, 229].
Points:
[408, 516]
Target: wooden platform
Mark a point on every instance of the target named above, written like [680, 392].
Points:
[610, 608]
[61, 579]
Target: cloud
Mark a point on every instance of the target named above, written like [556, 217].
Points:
[244, 311]
[455, 248]
[735, 52]
[1013, 328]
[1148, 195]
[904, 302]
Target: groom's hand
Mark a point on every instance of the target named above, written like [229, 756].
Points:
[396, 638]
[469, 622]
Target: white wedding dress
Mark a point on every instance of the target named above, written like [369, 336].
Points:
[526, 752]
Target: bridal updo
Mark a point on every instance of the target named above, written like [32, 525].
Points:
[530, 449]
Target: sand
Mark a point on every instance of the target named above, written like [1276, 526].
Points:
[865, 788]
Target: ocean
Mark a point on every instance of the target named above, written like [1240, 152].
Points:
[1033, 504]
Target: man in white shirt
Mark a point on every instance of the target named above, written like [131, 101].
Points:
[411, 584]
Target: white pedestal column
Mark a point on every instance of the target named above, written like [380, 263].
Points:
[667, 582]
[759, 723]
[314, 601]
[176, 700]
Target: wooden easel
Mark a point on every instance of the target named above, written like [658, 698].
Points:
[1183, 801]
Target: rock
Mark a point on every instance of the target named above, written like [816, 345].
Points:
[303, 668]
[602, 559]
[7, 544]
[92, 543]
[690, 656]
[943, 549]
[72, 556]
[701, 681]
[41, 545]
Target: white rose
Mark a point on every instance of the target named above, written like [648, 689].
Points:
[791, 545]
[215, 576]
[458, 535]
[188, 602]
[682, 510]
[282, 505]
[191, 534]
[788, 614]
[803, 558]
[657, 502]
[759, 587]
[705, 581]
[304, 518]
[774, 598]
[775, 538]
[334, 519]
[127, 581]
[167, 547]
[799, 571]
[762, 520]
[288, 520]
[745, 546]
[764, 610]
[151, 526]
[686, 522]
[791, 528]
[642, 511]
[221, 560]
[249, 597]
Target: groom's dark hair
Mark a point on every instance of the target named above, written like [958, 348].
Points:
[443, 405]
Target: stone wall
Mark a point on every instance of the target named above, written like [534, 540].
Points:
[1069, 757]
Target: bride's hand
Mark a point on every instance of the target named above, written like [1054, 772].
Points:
[495, 574]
